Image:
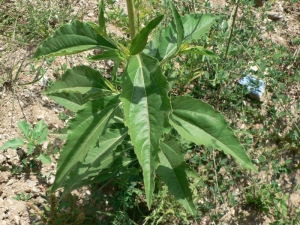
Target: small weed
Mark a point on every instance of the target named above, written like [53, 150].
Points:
[65, 211]
[22, 197]
[63, 116]
[34, 20]
[32, 138]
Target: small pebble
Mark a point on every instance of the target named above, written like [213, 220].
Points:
[45, 145]
[2, 159]
[110, 63]
[50, 179]
[274, 15]
[45, 99]
[43, 81]
[40, 117]
[21, 104]
[10, 182]
[17, 219]
[31, 183]
[27, 93]
[20, 153]
[36, 190]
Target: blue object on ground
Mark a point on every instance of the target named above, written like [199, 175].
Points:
[255, 86]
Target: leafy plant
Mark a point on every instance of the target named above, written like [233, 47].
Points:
[139, 111]
[22, 197]
[269, 198]
[60, 211]
[32, 138]
[31, 21]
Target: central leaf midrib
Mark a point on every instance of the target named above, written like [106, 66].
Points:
[183, 111]
[100, 124]
[147, 105]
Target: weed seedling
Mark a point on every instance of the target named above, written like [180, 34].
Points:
[32, 139]
[22, 197]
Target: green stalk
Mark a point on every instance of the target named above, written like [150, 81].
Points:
[232, 26]
[130, 10]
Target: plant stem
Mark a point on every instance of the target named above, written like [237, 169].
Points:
[130, 10]
[232, 26]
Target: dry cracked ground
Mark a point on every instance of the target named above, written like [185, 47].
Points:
[27, 103]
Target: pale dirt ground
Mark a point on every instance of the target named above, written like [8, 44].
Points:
[29, 104]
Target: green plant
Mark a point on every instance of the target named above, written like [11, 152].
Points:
[63, 211]
[139, 110]
[32, 21]
[32, 138]
[268, 198]
[63, 116]
[22, 197]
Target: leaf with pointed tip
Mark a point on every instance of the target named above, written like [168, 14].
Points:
[146, 108]
[72, 38]
[42, 136]
[40, 132]
[85, 129]
[140, 40]
[178, 23]
[30, 148]
[24, 127]
[199, 50]
[81, 79]
[164, 44]
[101, 19]
[172, 171]
[97, 158]
[14, 144]
[196, 25]
[200, 123]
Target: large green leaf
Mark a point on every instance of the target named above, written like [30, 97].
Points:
[85, 130]
[179, 25]
[97, 158]
[72, 38]
[196, 25]
[164, 44]
[101, 18]
[146, 108]
[172, 171]
[199, 122]
[140, 40]
[81, 79]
